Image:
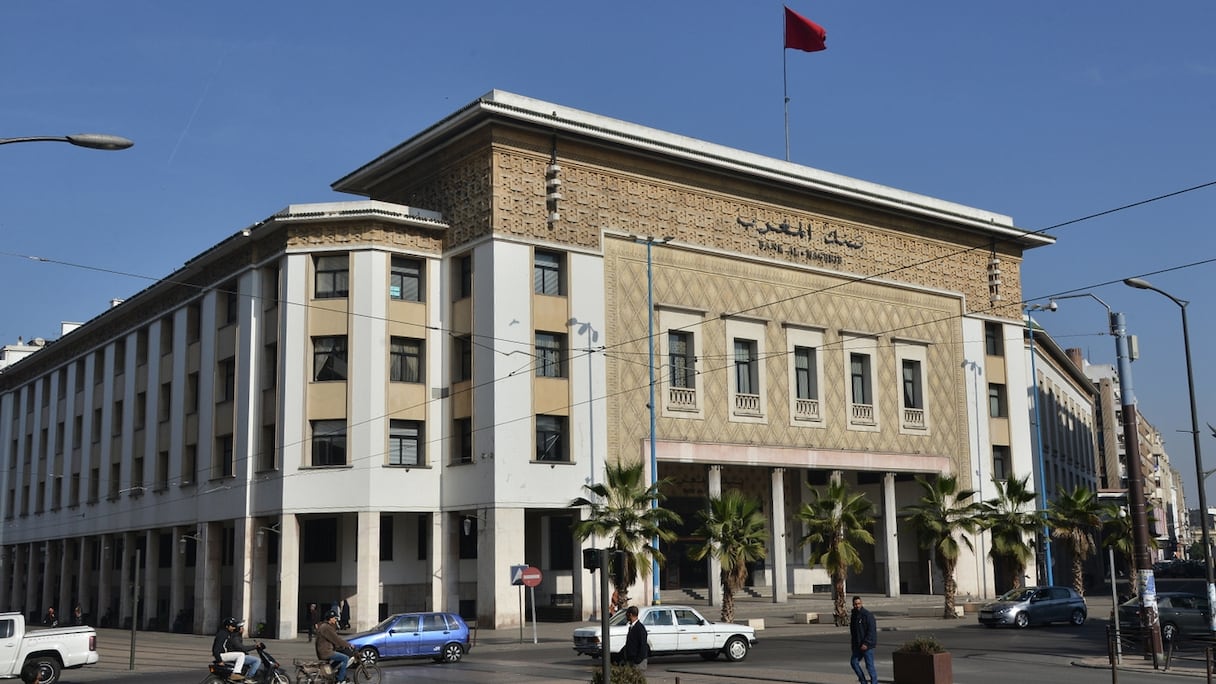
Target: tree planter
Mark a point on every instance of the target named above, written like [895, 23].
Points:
[922, 668]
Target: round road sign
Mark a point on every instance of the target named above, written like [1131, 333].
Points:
[531, 576]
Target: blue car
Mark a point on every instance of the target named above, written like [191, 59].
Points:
[443, 637]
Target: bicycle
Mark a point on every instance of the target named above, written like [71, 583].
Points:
[361, 671]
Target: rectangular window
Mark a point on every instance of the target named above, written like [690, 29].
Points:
[141, 410]
[994, 343]
[463, 358]
[913, 391]
[227, 384]
[96, 426]
[270, 366]
[164, 402]
[463, 448]
[331, 276]
[141, 347]
[194, 322]
[747, 375]
[161, 480]
[405, 443]
[232, 303]
[1000, 463]
[547, 274]
[386, 537]
[405, 280]
[328, 442]
[224, 466]
[166, 335]
[681, 359]
[266, 451]
[550, 355]
[189, 464]
[99, 367]
[405, 360]
[859, 376]
[551, 438]
[996, 401]
[329, 358]
[80, 376]
[270, 287]
[806, 382]
[120, 357]
[463, 285]
[116, 422]
[317, 540]
[192, 393]
[561, 542]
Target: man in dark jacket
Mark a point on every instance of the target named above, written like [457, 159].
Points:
[228, 647]
[863, 632]
[637, 650]
[332, 647]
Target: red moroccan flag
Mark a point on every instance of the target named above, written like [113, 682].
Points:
[803, 34]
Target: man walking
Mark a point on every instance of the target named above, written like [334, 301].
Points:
[637, 650]
[863, 633]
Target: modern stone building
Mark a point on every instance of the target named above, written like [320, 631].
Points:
[393, 400]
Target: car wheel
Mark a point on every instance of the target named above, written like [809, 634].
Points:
[709, 655]
[1169, 631]
[1078, 617]
[1021, 620]
[735, 649]
[369, 654]
[43, 670]
[451, 653]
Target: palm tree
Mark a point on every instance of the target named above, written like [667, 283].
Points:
[1010, 523]
[1073, 516]
[735, 532]
[622, 511]
[940, 519]
[837, 520]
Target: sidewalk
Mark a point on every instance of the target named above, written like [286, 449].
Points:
[165, 652]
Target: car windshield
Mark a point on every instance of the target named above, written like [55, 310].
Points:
[617, 619]
[1021, 594]
[384, 625]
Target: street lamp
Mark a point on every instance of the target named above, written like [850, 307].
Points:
[1049, 572]
[1200, 475]
[654, 458]
[1135, 476]
[93, 141]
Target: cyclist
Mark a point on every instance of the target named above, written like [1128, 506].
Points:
[332, 647]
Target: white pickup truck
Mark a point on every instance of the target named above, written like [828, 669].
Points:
[43, 654]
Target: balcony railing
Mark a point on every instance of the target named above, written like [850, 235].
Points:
[681, 399]
[862, 414]
[914, 418]
[807, 409]
[747, 404]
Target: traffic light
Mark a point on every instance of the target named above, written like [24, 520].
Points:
[591, 559]
[616, 565]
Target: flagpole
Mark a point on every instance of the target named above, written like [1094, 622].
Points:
[785, 91]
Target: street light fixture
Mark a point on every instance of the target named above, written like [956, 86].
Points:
[93, 141]
[1135, 476]
[1200, 475]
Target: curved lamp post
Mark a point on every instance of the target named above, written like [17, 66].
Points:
[93, 141]
[1200, 475]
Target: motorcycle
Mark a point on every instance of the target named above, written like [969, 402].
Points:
[360, 671]
[270, 672]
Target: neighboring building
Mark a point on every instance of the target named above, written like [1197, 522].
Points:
[1062, 417]
[12, 353]
[390, 400]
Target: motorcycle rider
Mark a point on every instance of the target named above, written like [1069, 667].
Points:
[332, 647]
[228, 647]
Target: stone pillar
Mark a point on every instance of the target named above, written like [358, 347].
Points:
[33, 556]
[127, 575]
[105, 579]
[366, 611]
[50, 563]
[777, 520]
[151, 580]
[444, 561]
[207, 578]
[289, 576]
[890, 543]
[177, 575]
[67, 582]
[259, 577]
[243, 530]
[6, 578]
[500, 544]
[713, 485]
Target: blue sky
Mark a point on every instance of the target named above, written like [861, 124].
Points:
[1045, 111]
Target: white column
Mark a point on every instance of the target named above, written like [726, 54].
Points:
[289, 580]
[148, 575]
[777, 519]
[500, 544]
[444, 561]
[83, 589]
[105, 579]
[67, 585]
[260, 578]
[366, 611]
[714, 489]
[243, 531]
[33, 552]
[890, 542]
[207, 578]
[127, 576]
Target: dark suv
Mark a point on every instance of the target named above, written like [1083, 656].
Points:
[1035, 606]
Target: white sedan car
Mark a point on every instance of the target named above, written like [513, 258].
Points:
[671, 630]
